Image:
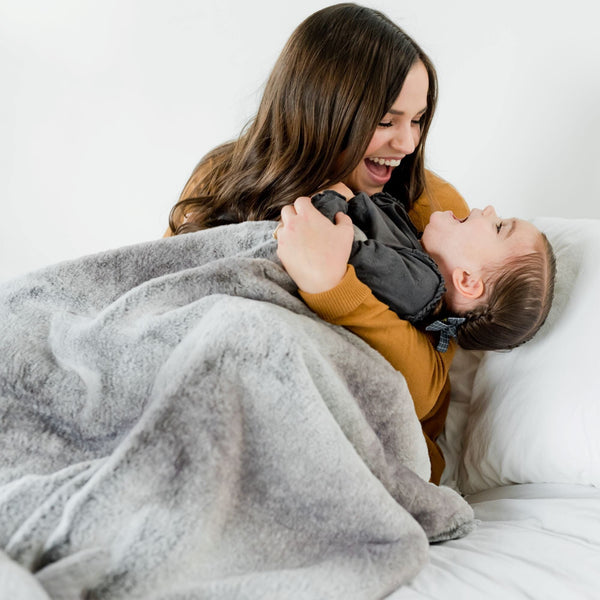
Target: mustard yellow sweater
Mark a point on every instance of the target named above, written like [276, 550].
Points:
[352, 305]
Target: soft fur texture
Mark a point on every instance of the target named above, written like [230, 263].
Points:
[177, 424]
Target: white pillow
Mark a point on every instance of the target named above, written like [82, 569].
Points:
[535, 411]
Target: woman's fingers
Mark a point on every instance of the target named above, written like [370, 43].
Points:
[302, 204]
[299, 214]
[313, 250]
[287, 212]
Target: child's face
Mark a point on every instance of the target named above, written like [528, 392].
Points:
[481, 240]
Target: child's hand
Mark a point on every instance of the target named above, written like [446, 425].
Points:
[313, 250]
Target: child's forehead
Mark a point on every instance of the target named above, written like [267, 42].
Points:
[523, 232]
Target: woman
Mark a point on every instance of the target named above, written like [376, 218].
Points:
[338, 75]
[349, 100]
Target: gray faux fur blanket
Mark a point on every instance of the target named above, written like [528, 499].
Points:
[177, 424]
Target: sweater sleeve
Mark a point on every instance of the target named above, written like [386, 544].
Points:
[351, 304]
[438, 195]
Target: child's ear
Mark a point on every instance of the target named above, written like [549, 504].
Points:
[469, 285]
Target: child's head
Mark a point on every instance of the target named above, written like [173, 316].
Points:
[499, 274]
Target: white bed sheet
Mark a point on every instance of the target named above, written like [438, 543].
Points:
[534, 541]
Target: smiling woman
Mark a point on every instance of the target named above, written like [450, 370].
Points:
[349, 92]
[175, 419]
[397, 135]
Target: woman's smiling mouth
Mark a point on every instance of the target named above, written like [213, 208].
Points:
[388, 162]
[380, 168]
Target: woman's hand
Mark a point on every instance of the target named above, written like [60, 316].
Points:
[313, 250]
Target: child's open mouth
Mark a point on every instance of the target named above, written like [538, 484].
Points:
[459, 220]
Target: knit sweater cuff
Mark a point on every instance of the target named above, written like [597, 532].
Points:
[345, 297]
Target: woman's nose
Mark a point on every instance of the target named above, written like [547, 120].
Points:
[403, 140]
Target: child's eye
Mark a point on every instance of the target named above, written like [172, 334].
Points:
[499, 227]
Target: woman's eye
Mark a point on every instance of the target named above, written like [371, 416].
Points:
[418, 122]
[385, 124]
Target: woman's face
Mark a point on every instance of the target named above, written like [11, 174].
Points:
[396, 136]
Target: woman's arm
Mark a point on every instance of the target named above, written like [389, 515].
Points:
[410, 351]
[315, 252]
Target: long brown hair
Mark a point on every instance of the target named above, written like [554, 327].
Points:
[339, 73]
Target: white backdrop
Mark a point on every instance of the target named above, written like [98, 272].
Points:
[105, 108]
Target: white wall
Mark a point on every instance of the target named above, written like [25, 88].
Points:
[105, 108]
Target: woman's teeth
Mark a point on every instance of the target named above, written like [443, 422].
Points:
[388, 162]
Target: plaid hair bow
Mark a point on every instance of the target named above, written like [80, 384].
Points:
[448, 329]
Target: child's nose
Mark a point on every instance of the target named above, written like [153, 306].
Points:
[489, 211]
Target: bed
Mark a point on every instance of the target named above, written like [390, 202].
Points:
[521, 443]
[176, 424]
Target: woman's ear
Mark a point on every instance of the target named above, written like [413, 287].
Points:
[469, 285]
